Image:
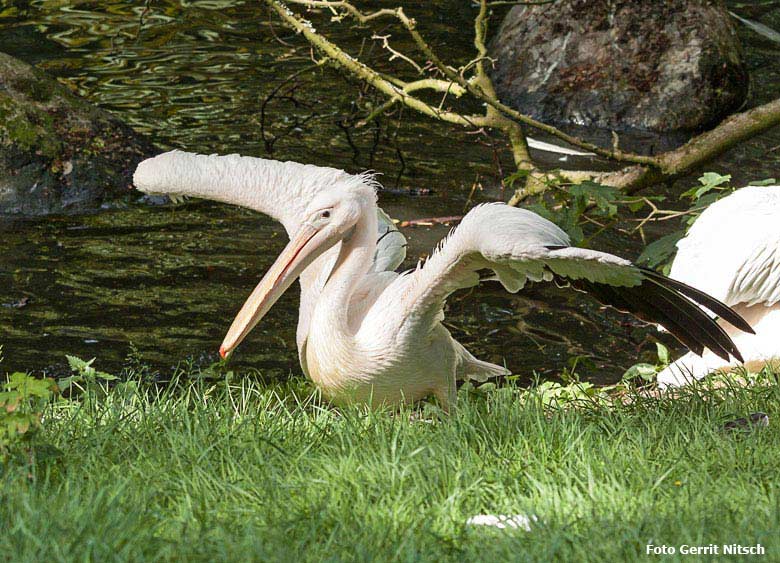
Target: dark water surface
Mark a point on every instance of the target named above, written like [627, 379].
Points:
[199, 75]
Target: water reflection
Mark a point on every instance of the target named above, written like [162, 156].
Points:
[169, 280]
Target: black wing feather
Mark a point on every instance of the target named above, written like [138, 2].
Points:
[675, 306]
[681, 317]
[720, 309]
[618, 298]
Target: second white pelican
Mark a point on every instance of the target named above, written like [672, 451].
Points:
[371, 335]
[732, 252]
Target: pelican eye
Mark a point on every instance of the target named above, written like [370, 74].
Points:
[325, 214]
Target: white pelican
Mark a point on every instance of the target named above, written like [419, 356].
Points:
[732, 252]
[368, 334]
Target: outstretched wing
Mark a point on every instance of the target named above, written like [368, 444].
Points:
[281, 190]
[520, 246]
[733, 249]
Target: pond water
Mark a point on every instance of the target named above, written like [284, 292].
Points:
[217, 76]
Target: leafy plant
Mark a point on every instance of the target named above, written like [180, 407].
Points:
[86, 377]
[659, 252]
[99, 392]
[22, 403]
[574, 206]
[25, 398]
[647, 372]
[567, 207]
[711, 188]
[554, 394]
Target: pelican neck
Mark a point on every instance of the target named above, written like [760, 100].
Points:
[354, 261]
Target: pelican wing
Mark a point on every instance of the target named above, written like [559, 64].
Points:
[281, 190]
[732, 251]
[391, 246]
[520, 246]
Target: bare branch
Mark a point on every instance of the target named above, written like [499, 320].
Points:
[732, 131]
[335, 5]
[366, 73]
[394, 54]
[377, 112]
[473, 87]
[520, 3]
[436, 85]
[705, 147]
[480, 32]
[643, 170]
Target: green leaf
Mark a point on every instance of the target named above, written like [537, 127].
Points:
[510, 180]
[642, 371]
[542, 210]
[486, 387]
[16, 380]
[635, 204]
[709, 181]
[767, 182]
[65, 383]
[85, 368]
[663, 354]
[605, 197]
[29, 386]
[79, 365]
[576, 234]
[16, 424]
[661, 250]
[707, 200]
[10, 400]
[714, 179]
[105, 376]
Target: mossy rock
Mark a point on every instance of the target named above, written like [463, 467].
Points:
[58, 153]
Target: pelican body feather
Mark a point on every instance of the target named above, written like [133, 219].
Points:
[732, 252]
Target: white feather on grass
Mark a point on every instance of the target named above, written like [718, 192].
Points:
[503, 521]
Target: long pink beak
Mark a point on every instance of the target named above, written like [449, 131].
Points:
[298, 254]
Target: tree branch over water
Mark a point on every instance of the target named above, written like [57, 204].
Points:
[473, 80]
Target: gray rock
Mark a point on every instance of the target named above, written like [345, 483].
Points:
[664, 66]
[58, 153]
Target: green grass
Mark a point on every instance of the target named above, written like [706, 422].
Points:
[243, 470]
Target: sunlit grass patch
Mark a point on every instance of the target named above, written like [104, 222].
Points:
[224, 466]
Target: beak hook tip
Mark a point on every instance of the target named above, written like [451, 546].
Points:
[222, 352]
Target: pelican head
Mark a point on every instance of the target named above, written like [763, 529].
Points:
[330, 218]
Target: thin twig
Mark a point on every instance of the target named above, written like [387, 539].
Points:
[144, 12]
[520, 3]
[394, 54]
[430, 221]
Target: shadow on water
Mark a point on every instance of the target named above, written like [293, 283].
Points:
[169, 279]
